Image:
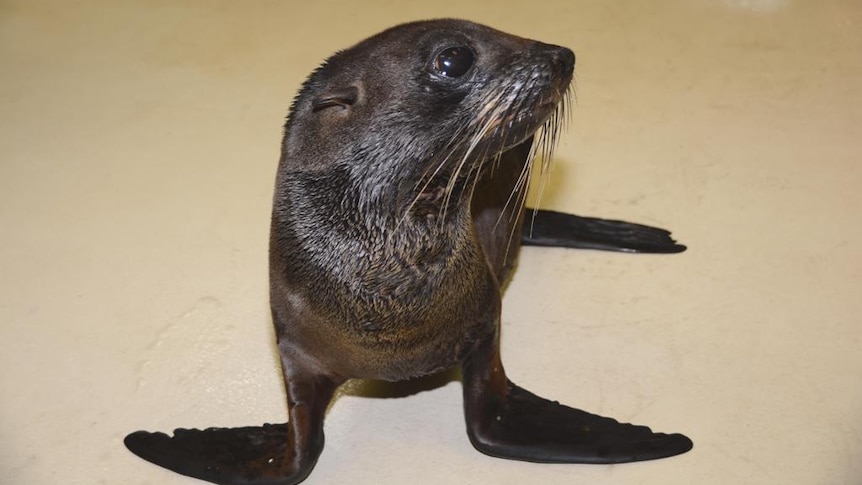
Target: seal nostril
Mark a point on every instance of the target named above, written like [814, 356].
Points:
[564, 60]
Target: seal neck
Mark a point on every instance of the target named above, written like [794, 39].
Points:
[328, 216]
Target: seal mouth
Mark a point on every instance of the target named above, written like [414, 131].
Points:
[528, 105]
[508, 126]
[549, 115]
[505, 121]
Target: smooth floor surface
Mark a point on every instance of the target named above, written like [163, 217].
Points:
[138, 146]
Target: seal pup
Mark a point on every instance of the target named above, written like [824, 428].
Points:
[399, 195]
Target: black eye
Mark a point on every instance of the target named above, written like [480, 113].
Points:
[453, 61]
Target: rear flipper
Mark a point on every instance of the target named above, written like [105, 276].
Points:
[549, 228]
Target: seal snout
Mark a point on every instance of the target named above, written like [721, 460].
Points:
[563, 60]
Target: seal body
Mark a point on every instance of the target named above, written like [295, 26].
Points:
[377, 260]
[397, 217]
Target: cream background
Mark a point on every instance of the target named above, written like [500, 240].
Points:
[138, 144]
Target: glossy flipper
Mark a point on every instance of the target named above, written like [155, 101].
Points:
[272, 454]
[506, 421]
[549, 228]
[249, 455]
[529, 428]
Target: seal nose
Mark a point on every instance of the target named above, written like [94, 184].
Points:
[564, 61]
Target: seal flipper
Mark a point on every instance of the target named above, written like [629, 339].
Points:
[219, 455]
[506, 421]
[550, 228]
[272, 454]
[529, 428]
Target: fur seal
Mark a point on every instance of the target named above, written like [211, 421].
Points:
[400, 188]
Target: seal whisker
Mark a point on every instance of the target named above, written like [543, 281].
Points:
[420, 191]
[456, 145]
[474, 142]
[521, 189]
[524, 175]
[428, 179]
[547, 143]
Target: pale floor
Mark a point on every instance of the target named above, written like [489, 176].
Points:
[138, 144]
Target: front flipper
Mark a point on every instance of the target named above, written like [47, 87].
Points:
[549, 228]
[250, 455]
[506, 421]
[272, 454]
[530, 428]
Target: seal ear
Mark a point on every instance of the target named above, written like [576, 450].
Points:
[344, 98]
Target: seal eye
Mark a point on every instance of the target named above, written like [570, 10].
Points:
[453, 61]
